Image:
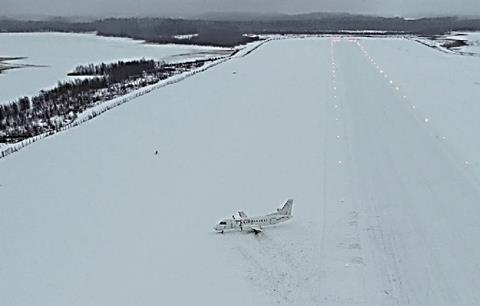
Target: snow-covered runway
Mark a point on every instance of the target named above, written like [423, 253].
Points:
[386, 207]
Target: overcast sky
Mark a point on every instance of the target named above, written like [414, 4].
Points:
[186, 8]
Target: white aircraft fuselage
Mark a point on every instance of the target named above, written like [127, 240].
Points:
[255, 224]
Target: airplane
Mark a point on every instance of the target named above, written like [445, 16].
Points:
[255, 224]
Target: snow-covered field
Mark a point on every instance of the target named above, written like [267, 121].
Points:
[59, 53]
[376, 140]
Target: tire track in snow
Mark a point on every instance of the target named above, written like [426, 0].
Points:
[279, 267]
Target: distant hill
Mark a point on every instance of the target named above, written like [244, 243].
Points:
[227, 29]
[237, 16]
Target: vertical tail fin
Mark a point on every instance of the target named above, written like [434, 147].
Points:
[287, 208]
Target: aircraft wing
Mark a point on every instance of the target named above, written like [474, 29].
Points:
[255, 228]
[242, 214]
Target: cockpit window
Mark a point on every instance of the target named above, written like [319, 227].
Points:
[223, 223]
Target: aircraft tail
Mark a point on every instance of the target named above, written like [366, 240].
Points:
[287, 208]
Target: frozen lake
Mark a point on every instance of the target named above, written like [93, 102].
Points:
[59, 53]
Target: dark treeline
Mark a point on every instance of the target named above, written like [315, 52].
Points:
[52, 109]
[116, 72]
[230, 32]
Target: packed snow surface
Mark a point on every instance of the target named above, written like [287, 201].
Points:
[386, 202]
[56, 54]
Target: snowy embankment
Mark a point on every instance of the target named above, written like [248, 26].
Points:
[370, 138]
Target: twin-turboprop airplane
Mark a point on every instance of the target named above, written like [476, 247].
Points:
[255, 224]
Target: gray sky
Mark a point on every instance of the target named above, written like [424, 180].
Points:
[185, 8]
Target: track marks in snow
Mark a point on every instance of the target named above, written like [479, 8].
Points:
[281, 268]
[342, 282]
[372, 256]
[351, 239]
